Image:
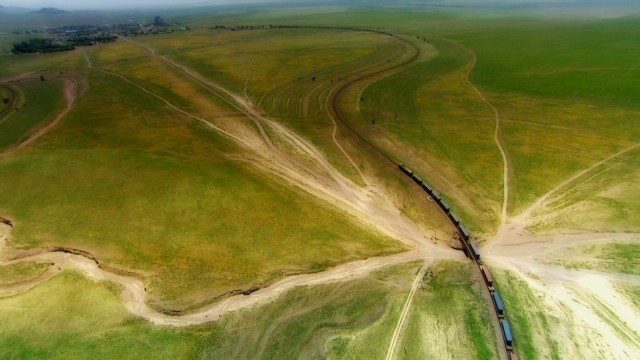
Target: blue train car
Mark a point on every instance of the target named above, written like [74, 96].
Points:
[475, 251]
[466, 235]
[445, 205]
[506, 330]
[454, 217]
[405, 169]
[499, 304]
[426, 187]
[417, 179]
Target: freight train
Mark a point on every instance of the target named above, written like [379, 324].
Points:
[472, 251]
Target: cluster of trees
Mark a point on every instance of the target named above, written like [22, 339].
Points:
[41, 46]
[92, 39]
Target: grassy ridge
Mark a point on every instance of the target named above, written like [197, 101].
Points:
[23, 272]
[43, 100]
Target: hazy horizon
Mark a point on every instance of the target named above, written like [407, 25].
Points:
[146, 4]
[117, 4]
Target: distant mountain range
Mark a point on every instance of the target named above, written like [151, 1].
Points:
[49, 10]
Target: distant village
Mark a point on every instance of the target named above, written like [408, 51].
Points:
[68, 37]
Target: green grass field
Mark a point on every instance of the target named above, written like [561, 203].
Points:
[42, 102]
[164, 200]
[606, 199]
[563, 109]
[22, 273]
[450, 318]
[146, 189]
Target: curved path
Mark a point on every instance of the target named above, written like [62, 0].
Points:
[405, 311]
[10, 105]
[70, 90]
[134, 291]
[496, 139]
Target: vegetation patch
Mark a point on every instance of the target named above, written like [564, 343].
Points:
[43, 99]
[22, 272]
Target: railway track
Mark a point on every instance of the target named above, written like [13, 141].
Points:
[469, 248]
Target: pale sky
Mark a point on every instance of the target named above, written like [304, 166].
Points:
[110, 4]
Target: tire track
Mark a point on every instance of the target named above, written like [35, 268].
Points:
[496, 138]
[405, 311]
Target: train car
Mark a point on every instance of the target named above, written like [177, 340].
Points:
[426, 187]
[436, 196]
[475, 252]
[445, 205]
[498, 303]
[466, 235]
[417, 179]
[454, 217]
[506, 331]
[486, 274]
[405, 169]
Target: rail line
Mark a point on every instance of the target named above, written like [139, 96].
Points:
[470, 249]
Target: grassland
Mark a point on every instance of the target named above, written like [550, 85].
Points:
[266, 66]
[431, 114]
[605, 199]
[532, 327]
[562, 110]
[142, 188]
[22, 273]
[81, 319]
[43, 100]
[450, 317]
